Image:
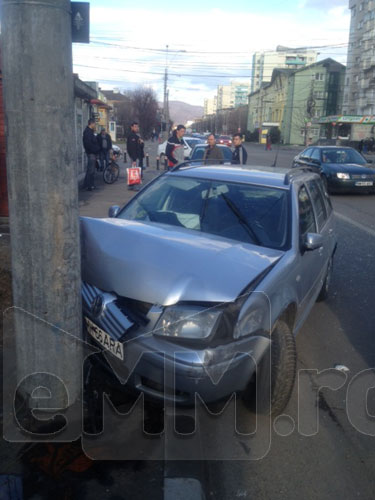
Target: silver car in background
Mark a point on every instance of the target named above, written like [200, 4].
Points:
[201, 282]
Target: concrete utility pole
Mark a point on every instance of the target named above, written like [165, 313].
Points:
[43, 191]
[165, 101]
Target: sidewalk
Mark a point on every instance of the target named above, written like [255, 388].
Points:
[96, 203]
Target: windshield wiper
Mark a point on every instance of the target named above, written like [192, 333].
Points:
[241, 219]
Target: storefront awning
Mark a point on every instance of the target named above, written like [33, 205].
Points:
[362, 119]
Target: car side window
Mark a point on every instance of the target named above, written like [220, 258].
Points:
[306, 153]
[306, 213]
[316, 154]
[318, 202]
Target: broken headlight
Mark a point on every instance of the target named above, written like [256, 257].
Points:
[188, 322]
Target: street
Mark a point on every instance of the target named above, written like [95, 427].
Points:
[294, 459]
[337, 462]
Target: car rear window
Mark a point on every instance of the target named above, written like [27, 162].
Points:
[241, 212]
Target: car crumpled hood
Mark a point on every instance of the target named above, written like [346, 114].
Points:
[163, 264]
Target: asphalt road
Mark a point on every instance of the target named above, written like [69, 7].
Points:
[335, 459]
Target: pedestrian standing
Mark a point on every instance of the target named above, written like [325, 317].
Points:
[105, 143]
[92, 148]
[268, 142]
[175, 147]
[212, 154]
[135, 146]
[239, 155]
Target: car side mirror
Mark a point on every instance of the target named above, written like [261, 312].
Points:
[313, 241]
[113, 211]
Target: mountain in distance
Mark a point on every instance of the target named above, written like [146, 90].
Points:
[181, 112]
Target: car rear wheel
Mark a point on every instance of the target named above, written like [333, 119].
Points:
[270, 390]
[324, 292]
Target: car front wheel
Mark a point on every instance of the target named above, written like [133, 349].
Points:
[270, 390]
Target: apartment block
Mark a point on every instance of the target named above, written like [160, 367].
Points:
[359, 93]
[264, 63]
[210, 106]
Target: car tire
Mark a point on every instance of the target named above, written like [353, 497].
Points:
[324, 292]
[270, 390]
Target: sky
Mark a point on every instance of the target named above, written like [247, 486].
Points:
[209, 43]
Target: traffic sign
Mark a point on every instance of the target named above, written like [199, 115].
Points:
[80, 22]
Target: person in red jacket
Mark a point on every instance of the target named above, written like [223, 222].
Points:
[175, 147]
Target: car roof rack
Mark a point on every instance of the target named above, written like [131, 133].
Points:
[294, 172]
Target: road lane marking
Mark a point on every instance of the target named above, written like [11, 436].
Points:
[368, 230]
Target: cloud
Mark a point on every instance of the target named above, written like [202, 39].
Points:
[215, 42]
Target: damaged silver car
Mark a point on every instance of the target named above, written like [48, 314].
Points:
[200, 283]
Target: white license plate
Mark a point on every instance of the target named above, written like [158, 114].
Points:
[364, 183]
[102, 337]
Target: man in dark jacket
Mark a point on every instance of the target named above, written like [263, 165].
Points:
[134, 143]
[175, 147]
[213, 155]
[239, 155]
[105, 143]
[92, 148]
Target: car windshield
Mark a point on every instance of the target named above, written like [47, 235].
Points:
[198, 153]
[241, 212]
[342, 156]
[192, 142]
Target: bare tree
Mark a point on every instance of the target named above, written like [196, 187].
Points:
[145, 109]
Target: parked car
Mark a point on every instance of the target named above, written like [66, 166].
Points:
[189, 143]
[208, 273]
[198, 152]
[224, 139]
[202, 137]
[342, 169]
[116, 150]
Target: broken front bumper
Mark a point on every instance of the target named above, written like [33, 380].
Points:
[165, 370]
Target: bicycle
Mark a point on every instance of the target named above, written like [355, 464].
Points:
[111, 172]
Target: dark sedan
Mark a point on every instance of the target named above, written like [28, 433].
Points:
[343, 169]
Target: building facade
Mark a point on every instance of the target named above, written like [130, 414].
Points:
[224, 97]
[210, 106]
[264, 63]
[267, 104]
[294, 100]
[314, 91]
[359, 94]
[240, 93]
[83, 110]
[232, 96]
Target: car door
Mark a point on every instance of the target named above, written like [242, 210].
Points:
[321, 217]
[311, 262]
[315, 159]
